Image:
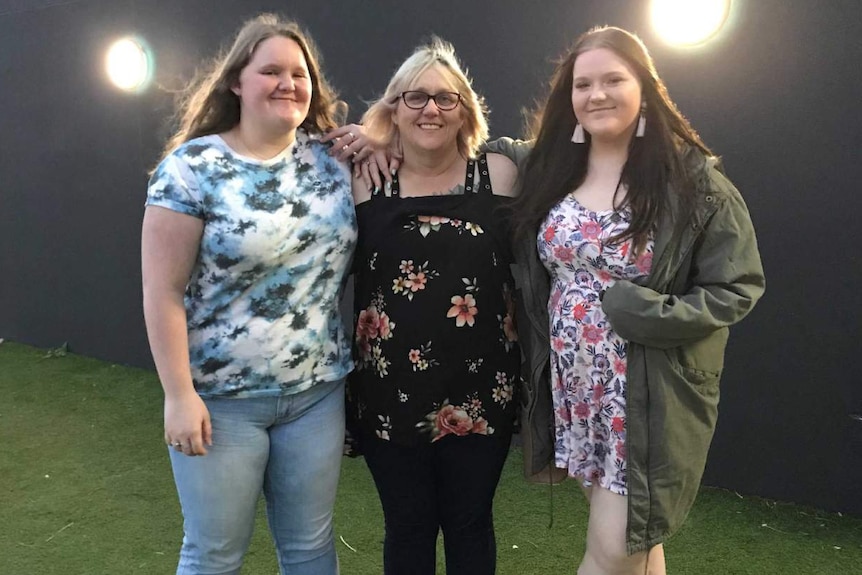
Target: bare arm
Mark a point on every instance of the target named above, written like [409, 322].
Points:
[516, 150]
[169, 247]
[503, 173]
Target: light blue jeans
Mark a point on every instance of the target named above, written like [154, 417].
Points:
[290, 448]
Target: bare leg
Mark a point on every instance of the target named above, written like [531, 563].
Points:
[655, 561]
[606, 539]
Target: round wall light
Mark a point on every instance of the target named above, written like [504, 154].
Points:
[688, 22]
[128, 64]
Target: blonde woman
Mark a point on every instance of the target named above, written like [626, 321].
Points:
[436, 352]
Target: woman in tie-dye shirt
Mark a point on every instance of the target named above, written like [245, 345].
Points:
[247, 237]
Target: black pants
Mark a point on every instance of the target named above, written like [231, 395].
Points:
[448, 485]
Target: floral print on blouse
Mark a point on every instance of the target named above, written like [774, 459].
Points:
[435, 346]
[588, 359]
[263, 299]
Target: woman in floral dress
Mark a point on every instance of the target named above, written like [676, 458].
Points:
[636, 254]
[435, 347]
[588, 358]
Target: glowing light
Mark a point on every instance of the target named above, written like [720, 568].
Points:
[688, 22]
[128, 64]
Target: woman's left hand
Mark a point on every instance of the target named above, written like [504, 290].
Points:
[349, 143]
[371, 162]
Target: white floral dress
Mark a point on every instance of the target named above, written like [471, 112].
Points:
[588, 359]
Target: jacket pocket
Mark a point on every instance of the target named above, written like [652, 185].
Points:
[701, 362]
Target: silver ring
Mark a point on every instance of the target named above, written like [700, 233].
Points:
[352, 135]
[345, 146]
[178, 444]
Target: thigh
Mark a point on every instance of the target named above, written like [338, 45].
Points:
[406, 485]
[404, 478]
[655, 561]
[302, 477]
[606, 536]
[468, 470]
[218, 492]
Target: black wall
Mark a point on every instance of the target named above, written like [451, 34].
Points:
[778, 95]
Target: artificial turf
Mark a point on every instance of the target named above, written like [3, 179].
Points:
[86, 488]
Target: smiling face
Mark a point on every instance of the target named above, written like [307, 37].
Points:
[606, 95]
[275, 87]
[429, 128]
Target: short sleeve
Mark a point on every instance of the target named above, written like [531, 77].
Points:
[174, 186]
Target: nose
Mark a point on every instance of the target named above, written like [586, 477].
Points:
[431, 108]
[597, 95]
[286, 84]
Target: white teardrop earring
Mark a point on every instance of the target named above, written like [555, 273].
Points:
[578, 136]
[639, 133]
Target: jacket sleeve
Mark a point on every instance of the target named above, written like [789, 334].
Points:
[515, 150]
[726, 280]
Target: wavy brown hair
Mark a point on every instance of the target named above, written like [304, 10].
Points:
[208, 106]
[655, 163]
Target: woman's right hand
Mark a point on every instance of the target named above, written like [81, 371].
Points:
[188, 428]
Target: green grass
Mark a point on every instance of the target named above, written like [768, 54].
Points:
[86, 488]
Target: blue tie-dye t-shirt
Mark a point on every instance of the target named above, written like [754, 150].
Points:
[263, 298]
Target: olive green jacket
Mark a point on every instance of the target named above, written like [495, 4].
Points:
[703, 280]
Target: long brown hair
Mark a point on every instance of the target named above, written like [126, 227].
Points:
[655, 163]
[208, 105]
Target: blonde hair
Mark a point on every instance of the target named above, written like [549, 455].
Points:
[209, 106]
[378, 118]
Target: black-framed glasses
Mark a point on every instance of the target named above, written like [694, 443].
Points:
[416, 100]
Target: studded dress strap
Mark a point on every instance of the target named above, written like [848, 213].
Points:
[396, 187]
[468, 177]
[484, 177]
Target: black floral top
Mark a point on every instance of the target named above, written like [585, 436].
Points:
[435, 346]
